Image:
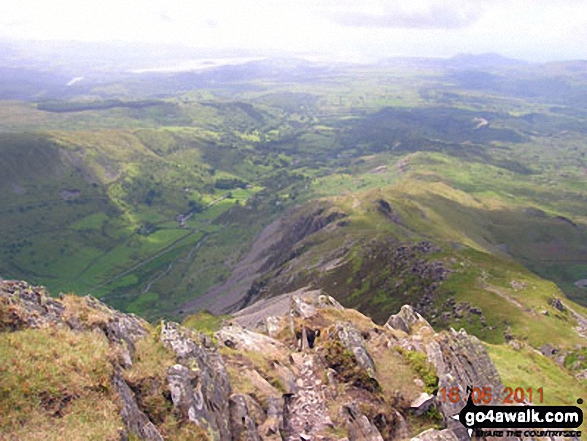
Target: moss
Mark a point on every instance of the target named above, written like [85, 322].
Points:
[205, 322]
[432, 419]
[425, 370]
[346, 366]
[576, 360]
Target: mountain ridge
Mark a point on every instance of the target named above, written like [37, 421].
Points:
[315, 370]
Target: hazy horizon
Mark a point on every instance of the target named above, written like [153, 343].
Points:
[345, 30]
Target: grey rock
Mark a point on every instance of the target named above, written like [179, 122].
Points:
[352, 340]
[407, 320]
[461, 360]
[248, 340]
[548, 350]
[274, 423]
[421, 404]
[242, 424]
[28, 306]
[202, 370]
[135, 420]
[358, 426]
[186, 395]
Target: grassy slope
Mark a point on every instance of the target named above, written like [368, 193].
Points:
[475, 186]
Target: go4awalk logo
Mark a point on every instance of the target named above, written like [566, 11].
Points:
[527, 421]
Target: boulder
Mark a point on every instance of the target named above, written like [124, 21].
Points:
[407, 320]
[353, 341]
[421, 404]
[461, 361]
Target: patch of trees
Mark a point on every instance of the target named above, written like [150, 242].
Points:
[229, 183]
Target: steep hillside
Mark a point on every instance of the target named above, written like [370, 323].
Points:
[298, 366]
[457, 256]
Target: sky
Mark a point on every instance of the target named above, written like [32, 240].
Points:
[346, 30]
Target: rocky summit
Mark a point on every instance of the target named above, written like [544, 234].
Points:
[294, 367]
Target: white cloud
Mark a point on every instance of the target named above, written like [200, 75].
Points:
[524, 28]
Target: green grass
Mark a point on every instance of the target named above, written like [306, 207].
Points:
[528, 369]
[204, 322]
[56, 388]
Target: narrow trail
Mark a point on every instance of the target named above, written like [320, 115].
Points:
[308, 410]
[581, 327]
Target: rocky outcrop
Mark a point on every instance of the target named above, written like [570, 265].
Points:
[243, 426]
[27, 306]
[199, 384]
[461, 361]
[324, 374]
[358, 425]
[353, 341]
[23, 306]
[407, 320]
[137, 423]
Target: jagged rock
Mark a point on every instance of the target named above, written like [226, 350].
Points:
[274, 424]
[402, 429]
[186, 395]
[123, 330]
[436, 435]
[211, 380]
[135, 420]
[407, 320]
[358, 426]
[421, 404]
[305, 345]
[29, 306]
[461, 360]
[242, 338]
[243, 426]
[305, 304]
[23, 305]
[272, 325]
[301, 308]
[286, 376]
[352, 340]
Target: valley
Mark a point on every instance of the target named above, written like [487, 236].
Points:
[456, 186]
[94, 180]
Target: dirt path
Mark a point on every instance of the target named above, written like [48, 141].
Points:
[581, 321]
[503, 295]
[308, 410]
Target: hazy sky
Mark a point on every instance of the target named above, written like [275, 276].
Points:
[343, 29]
